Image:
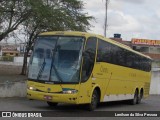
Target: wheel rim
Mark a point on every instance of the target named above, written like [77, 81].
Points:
[140, 97]
[94, 100]
[135, 97]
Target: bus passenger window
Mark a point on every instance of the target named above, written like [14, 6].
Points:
[88, 58]
[104, 52]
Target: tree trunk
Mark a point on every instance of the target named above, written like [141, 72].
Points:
[24, 67]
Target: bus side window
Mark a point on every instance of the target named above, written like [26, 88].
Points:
[129, 59]
[88, 58]
[104, 52]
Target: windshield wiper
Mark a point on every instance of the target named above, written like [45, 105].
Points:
[52, 63]
[57, 73]
[41, 69]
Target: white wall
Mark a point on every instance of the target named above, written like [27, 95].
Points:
[155, 82]
[20, 60]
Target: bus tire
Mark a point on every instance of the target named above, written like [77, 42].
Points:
[140, 97]
[52, 104]
[135, 99]
[94, 101]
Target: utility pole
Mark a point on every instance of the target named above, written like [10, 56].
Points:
[105, 21]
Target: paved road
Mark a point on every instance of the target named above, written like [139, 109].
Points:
[23, 104]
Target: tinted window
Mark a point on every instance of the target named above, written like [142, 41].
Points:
[110, 53]
[103, 54]
[88, 58]
[121, 56]
[113, 54]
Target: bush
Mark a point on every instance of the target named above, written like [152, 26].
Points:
[7, 58]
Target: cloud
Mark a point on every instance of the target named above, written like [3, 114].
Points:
[133, 1]
[120, 22]
[131, 18]
[94, 5]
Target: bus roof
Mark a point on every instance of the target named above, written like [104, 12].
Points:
[77, 33]
[72, 33]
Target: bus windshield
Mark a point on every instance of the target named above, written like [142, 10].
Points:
[56, 58]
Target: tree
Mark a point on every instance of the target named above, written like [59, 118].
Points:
[53, 15]
[12, 14]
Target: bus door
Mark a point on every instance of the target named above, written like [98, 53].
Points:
[88, 62]
[102, 76]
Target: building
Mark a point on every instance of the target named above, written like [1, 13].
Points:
[9, 50]
[150, 48]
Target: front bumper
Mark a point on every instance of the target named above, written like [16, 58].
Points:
[56, 97]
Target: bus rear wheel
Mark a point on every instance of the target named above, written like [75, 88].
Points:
[52, 104]
[135, 99]
[140, 97]
[94, 101]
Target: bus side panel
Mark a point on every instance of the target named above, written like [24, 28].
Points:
[120, 82]
[101, 77]
[84, 94]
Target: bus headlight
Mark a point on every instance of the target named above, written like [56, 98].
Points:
[31, 88]
[70, 91]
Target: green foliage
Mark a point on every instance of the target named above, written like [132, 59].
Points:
[55, 15]
[58, 15]
[7, 58]
[42, 15]
[12, 14]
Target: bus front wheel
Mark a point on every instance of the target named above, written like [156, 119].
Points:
[94, 101]
[52, 104]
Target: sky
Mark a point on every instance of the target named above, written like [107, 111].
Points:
[130, 18]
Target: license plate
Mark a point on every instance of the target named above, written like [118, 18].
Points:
[47, 97]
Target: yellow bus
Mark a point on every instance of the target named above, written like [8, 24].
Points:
[83, 68]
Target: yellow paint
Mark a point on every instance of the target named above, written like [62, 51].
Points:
[111, 79]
